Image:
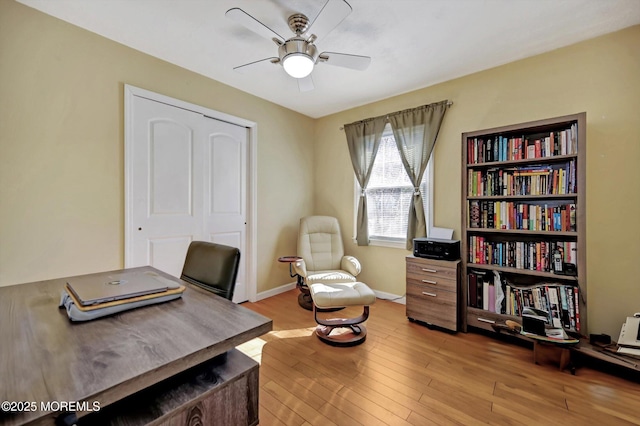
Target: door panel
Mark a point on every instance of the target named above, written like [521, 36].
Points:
[226, 175]
[171, 168]
[225, 218]
[166, 211]
[168, 254]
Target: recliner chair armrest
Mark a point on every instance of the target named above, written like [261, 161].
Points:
[300, 268]
[351, 265]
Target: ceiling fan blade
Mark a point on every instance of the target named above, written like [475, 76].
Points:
[243, 18]
[255, 66]
[355, 62]
[306, 84]
[333, 12]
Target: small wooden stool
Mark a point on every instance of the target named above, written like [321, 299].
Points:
[326, 296]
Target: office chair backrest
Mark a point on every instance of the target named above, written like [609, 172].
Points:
[320, 242]
[213, 267]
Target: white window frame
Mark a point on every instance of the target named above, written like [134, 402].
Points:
[400, 243]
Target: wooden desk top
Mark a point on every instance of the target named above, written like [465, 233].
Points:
[44, 357]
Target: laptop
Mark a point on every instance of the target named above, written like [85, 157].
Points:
[123, 285]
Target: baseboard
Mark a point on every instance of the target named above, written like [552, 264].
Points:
[391, 297]
[275, 291]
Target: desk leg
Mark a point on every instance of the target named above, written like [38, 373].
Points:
[565, 358]
[565, 355]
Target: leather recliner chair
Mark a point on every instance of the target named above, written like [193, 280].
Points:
[322, 256]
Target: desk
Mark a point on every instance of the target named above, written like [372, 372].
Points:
[44, 357]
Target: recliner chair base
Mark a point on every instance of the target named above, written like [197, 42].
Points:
[305, 301]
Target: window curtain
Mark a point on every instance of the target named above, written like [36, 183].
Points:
[415, 132]
[363, 139]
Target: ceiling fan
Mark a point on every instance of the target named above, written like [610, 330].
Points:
[298, 54]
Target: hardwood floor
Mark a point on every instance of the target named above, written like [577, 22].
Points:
[407, 374]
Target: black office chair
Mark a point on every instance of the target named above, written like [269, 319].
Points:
[213, 267]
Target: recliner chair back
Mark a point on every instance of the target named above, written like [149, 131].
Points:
[320, 242]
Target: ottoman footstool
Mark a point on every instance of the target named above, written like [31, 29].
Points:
[326, 296]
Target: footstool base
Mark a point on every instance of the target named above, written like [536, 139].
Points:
[332, 296]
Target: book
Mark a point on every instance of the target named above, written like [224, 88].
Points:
[474, 213]
[491, 215]
[489, 150]
[484, 213]
[531, 149]
[485, 295]
[473, 289]
[576, 307]
[492, 297]
[556, 313]
[505, 148]
[570, 305]
[566, 321]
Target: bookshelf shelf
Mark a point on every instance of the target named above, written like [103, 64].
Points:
[522, 197]
[527, 161]
[529, 176]
[522, 271]
[522, 231]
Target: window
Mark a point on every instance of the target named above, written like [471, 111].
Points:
[389, 195]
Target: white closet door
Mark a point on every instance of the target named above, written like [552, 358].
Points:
[225, 195]
[187, 181]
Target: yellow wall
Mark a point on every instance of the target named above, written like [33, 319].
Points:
[600, 76]
[62, 149]
[61, 153]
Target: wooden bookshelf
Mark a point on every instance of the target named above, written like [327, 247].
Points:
[512, 171]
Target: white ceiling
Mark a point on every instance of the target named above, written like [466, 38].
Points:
[412, 43]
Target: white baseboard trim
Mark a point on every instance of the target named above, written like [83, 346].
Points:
[275, 291]
[391, 297]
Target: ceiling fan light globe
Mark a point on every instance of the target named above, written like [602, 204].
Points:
[298, 65]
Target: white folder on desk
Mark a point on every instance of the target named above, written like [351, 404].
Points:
[629, 334]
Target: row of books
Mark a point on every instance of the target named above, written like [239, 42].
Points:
[507, 148]
[530, 255]
[550, 216]
[560, 303]
[534, 180]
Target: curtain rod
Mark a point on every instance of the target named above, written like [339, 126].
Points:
[449, 103]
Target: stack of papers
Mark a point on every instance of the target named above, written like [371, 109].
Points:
[622, 350]
[629, 341]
